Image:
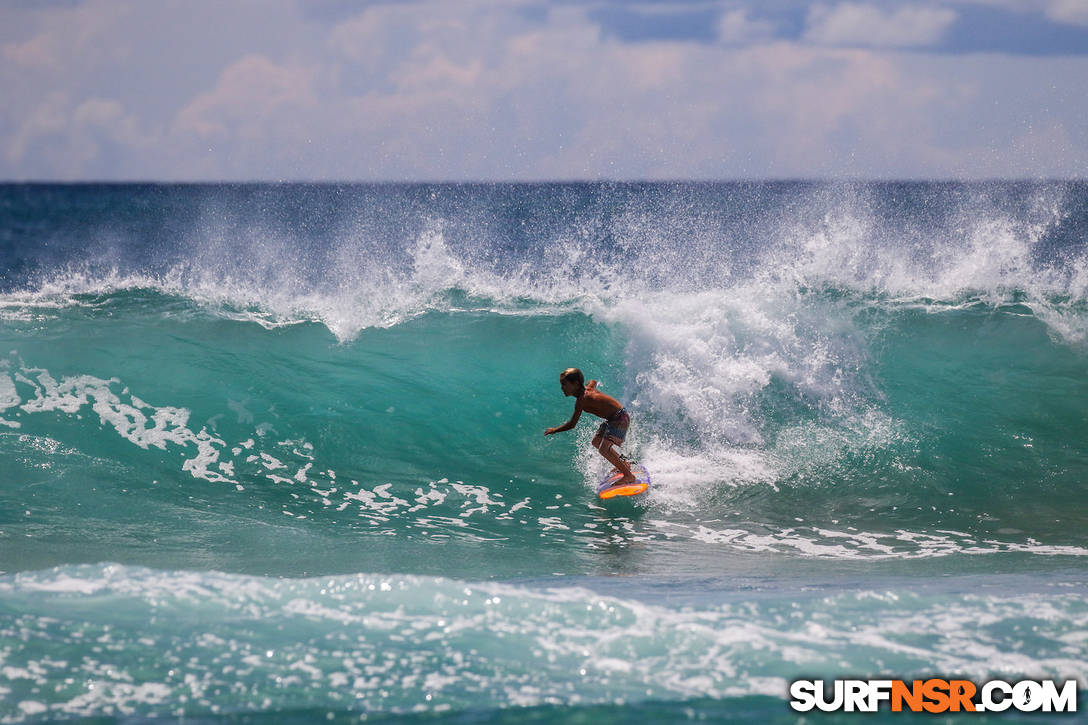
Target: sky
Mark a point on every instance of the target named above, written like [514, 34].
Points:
[527, 90]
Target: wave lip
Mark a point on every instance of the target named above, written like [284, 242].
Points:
[591, 247]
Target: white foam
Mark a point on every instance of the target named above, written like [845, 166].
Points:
[9, 398]
[827, 235]
[168, 425]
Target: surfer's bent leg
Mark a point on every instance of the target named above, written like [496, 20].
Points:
[604, 445]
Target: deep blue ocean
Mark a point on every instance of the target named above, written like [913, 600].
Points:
[275, 453]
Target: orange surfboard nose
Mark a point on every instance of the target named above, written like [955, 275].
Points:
[610, 486]
[629, 489]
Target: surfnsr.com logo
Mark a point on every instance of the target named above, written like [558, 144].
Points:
[934, 695]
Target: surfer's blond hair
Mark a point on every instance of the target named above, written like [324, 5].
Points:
[572, 375]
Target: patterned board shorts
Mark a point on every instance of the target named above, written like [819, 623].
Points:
[615, 428]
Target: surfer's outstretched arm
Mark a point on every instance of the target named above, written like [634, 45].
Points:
[571, 381]
[568, 425]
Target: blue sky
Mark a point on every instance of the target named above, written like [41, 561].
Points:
[532, 90]
[1020, 28]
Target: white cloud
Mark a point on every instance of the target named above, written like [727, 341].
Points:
[454, 90]
[70, 136]
[32, 54]
[736, 28]
[854, 24]
[253, 89]
[1074, 12]
[1068, 12]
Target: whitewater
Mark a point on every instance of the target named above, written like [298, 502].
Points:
[275, 452]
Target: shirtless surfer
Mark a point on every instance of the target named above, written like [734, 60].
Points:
[616, 420]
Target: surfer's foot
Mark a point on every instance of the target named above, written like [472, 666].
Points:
[629, 478]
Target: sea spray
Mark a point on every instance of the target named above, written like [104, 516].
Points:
[862, 405]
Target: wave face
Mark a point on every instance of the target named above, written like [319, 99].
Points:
[850, 386]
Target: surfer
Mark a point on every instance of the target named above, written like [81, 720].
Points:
[616, 420]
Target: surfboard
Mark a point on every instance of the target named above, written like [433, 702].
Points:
[608, 487]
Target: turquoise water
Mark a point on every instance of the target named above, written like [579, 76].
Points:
[276, 452]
